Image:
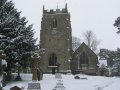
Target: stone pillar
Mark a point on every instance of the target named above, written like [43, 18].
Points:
[34, 85]
[34, 71]
[34, 67]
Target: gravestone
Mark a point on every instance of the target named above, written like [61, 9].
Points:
[59, 86]
[34, 86]
[58, 76]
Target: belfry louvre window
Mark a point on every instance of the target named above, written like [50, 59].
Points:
[83, 58]
[54, 23]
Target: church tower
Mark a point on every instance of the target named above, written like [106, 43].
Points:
[56, 39]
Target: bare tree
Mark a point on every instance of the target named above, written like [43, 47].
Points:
[90, 40]
[75, 42]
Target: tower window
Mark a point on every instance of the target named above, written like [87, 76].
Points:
[54, 23]
[52, 60]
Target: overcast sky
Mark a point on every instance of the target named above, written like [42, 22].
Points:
[95, 15]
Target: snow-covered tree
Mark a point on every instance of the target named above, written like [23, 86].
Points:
[108, 55]
[9, 20]
[16, 38]
[113, 59]
[103, 70]
[117, 24]
[25, 44]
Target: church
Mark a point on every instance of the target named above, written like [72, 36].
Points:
[56, 39]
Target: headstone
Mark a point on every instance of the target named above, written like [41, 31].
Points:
[34, 86]
[58, 76]
[15, 88]
[59, 85]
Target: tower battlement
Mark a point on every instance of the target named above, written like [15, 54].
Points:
[52, 11]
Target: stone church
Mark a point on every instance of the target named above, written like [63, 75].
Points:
[84, 60]
[56, 39]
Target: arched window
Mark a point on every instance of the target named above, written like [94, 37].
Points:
[83, 61]
[54, 23]
[52, 60]
[83, 58]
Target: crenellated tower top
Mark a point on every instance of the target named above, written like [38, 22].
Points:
[52, 11]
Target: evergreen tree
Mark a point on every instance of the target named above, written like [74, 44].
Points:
[9, 18]
[113, 59]
[108, 55]
[16, 38]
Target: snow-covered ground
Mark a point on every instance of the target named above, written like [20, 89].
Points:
[91, 83]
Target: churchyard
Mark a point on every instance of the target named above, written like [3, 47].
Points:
[60, 61]
[68, 82]
[58, 81]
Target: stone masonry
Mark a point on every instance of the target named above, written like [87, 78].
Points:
[56, 39]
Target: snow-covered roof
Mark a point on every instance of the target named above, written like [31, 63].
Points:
[102, 62]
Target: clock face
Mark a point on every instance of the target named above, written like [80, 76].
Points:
[54, 31]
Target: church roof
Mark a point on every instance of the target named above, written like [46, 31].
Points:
[83, 45]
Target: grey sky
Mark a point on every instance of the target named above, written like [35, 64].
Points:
[95, 15]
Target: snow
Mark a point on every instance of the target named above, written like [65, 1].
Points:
[35, 55]
[0, 80]
[68, 27]
[102, 62]
[91, 83]
[2, 36]
[4, 62]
